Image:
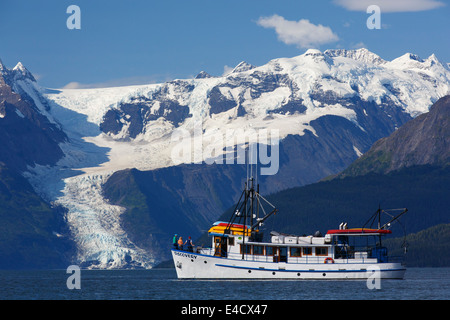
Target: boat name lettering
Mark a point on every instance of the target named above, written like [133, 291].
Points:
[187, 255]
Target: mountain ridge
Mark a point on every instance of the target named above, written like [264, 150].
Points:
[33, 232]
[423, 140]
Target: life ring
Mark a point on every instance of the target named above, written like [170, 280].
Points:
[328, 260]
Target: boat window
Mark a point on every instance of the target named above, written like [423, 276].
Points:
[321, 251]
[231, 241]
[342, 239]
[283, 252]
[248, 249]
[270, 251]
[307, 251]
[296, 252]
[258, 250]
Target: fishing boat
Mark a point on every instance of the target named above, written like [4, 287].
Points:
[238, 250]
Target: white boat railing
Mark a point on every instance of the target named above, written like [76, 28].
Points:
[290, 259]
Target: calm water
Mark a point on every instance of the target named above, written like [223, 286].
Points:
[161, 284]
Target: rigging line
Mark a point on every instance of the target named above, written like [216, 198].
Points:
[372, 218]
[265, 217]
[266, 201]
[390, 215]
[404, 243]
[394, 219]
[234, 215]
[241, 212]
[263, 210]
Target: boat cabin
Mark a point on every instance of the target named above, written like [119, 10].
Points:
[342, 245]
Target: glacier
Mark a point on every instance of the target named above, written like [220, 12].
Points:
[91, 155]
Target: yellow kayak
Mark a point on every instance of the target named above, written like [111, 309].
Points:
[233, 230]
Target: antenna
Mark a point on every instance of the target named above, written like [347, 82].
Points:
[256, 169]
[246, 160]
[251, 159]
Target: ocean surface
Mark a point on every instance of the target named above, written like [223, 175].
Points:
[162, 284]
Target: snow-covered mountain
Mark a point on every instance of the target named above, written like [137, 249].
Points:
[31, 230]
[286, 94]
[328, 108]
[27, 135]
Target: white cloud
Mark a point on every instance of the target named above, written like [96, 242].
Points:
[358, 45]
[301, 33]
[227, 70]
[390, 5]
[75, 85]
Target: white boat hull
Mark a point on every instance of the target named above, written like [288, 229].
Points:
[190, 265]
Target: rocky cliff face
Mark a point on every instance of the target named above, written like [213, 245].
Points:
[33, 234]
[424, 140]
[27, 136]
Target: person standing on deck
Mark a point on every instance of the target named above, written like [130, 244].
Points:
[189, 244]
[180, 243]
[175, 242]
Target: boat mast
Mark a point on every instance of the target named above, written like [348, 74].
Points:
[247, 209]
[248, 195]
[245, 217]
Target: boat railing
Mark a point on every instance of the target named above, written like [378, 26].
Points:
[348, 259]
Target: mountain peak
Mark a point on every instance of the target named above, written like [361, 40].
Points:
[313, 52]
[19, 72]
[361, 54]
[432, 59]
[413, 61]
[409, 57]
[20, 67]
[242, 66]
[22, 73]
[317, 56]
[412, 56]
[4, 71]
[203, 75]
[2, 66]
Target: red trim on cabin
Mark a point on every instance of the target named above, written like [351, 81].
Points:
[359, 230]
[233, 225]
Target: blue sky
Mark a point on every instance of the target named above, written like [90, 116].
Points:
[145, 41]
